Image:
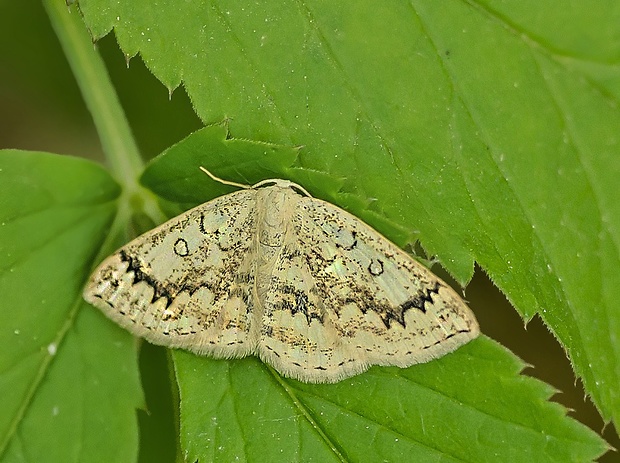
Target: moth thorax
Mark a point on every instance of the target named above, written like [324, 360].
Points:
[275, 206]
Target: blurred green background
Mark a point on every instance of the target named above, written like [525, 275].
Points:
[41, 109]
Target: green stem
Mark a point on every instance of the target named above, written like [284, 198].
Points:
[112, 126]
[92, 77]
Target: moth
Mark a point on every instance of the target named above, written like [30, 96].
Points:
[271, 271]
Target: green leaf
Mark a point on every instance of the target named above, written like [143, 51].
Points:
[176, 176]
[467, 406]
[242, 409]
[488, 131]
[68, 376]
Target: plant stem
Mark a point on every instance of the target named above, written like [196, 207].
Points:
[112, 126]
[92, 77]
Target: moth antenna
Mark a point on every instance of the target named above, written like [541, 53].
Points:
[224, 182]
